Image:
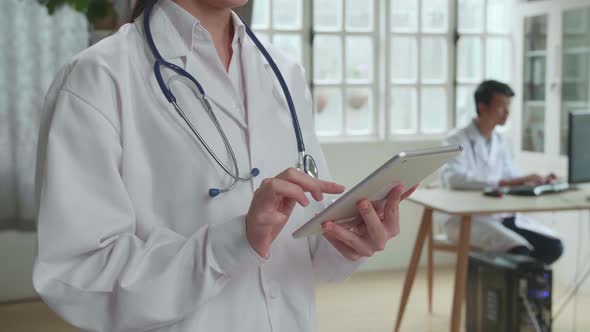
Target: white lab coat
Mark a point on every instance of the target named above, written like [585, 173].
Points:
[475, 169]
[128, 239]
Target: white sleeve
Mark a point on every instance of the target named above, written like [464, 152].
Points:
[327, 262]
[457, 174]
[92, 267]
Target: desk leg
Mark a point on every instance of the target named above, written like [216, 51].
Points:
[461, 272]
[411, 274]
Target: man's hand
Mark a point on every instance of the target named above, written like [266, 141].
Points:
[381, 223]
[274, 201]
[531, 179]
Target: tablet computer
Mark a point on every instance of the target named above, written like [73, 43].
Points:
[407, 168]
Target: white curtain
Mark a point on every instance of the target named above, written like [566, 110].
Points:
[33, 45]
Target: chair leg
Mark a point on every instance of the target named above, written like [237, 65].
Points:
[461, 272]
[430, 272]
[411, 274]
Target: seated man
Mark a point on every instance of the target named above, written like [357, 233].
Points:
[486, 161]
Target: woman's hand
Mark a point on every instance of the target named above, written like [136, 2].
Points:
[274, 201]
[381, 223]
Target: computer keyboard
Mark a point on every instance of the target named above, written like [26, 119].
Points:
[530, 190]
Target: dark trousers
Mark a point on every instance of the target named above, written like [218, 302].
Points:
[546, 249]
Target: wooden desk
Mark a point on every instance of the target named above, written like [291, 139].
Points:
[465, 204]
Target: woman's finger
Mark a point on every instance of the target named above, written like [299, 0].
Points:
[277, 187]
[310, 184]
[409, 192]
[376, 229]
[345, 250]
[391, 211]
[348, 238]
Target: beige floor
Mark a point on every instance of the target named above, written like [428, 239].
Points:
[366, 303]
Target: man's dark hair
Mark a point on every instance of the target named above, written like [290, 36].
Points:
[486, 91]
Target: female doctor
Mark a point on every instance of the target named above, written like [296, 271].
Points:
[167, 182]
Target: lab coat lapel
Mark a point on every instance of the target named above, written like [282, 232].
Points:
[219, 91]
[261, 84]
[269, 121]
[475, 142]
[174, 49]
[494, 146]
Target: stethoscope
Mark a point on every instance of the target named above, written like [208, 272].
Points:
[305, 161]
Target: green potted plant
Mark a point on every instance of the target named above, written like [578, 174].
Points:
[100, 13]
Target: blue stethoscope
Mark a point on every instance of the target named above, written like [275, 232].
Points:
[305, 162]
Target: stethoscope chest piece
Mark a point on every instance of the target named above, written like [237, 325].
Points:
[309, 166]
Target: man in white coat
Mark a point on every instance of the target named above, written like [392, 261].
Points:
[486, 161]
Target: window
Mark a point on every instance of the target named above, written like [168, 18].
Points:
[344, 73]
[391, 68]
[482, 30]
[419, 85]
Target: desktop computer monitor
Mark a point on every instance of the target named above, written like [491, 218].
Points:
[579, 147]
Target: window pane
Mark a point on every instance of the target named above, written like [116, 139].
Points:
[465, 106]
[499, 66]
[404, 15]
[404, 55]
[498, 12]
[434, 60]
[328, 111]
[291, 44]
[435, 16]
[535, 59]
[286, 14]
[359, 111]
[327, 57]
[260, 14]
[327, 15]
[534, 78]
[433, 110]
[469, 60]
[359, 59]
[471, 14]
[535, 29]
[575, 91]
[535, 55]
[359, 15]
[533, 131]
[404, 110]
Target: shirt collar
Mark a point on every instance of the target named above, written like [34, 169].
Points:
[239, 28]
[174, 29]
[476, 134]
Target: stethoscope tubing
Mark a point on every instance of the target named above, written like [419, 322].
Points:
[305, 162]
